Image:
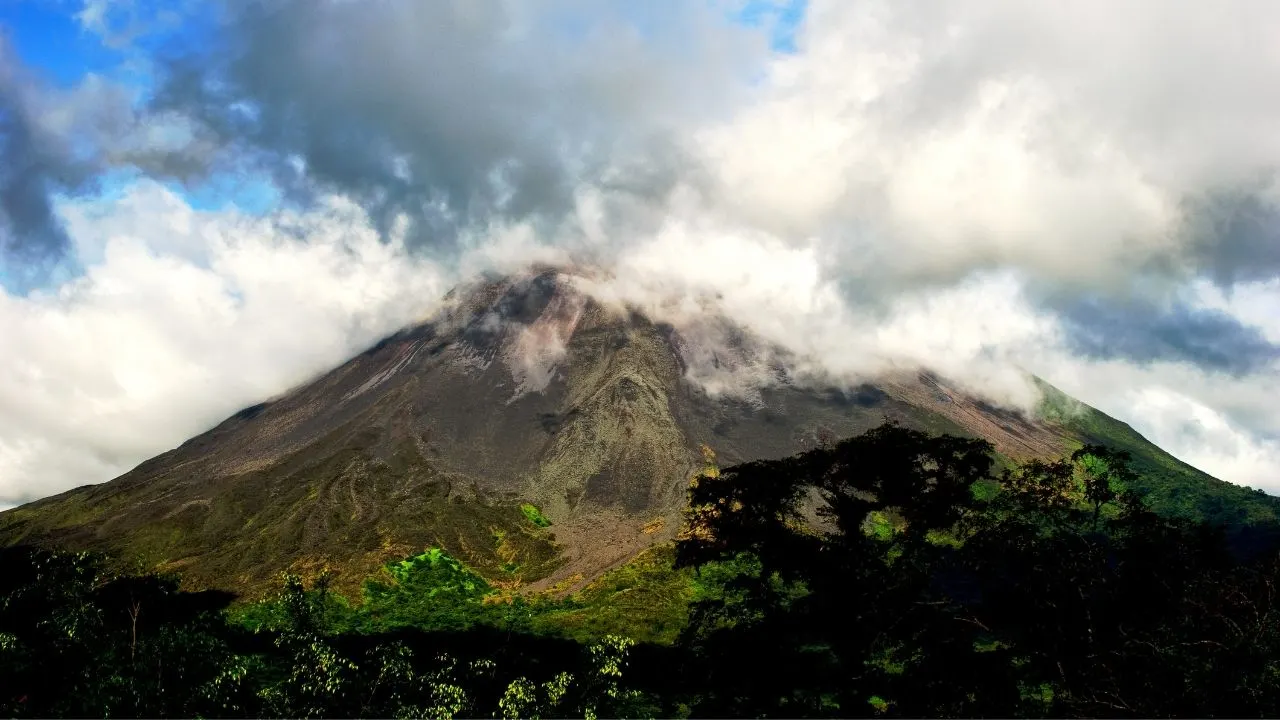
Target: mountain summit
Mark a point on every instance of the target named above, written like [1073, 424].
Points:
[528, 428]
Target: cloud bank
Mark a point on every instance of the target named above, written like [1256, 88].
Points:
[983, 188]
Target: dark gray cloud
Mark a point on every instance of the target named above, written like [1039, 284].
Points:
[59, 141]
[33, 165]
[1142, 331]
[456, 113]
[1235, 236]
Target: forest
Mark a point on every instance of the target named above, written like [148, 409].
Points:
[893, 574]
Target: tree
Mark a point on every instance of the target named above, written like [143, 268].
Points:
[1104, 474]
[916, 599]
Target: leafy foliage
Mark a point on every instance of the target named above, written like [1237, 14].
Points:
[925, 586]
[431, 590]
[76, 640]
[1166, 484]
[646, 599]
[1062, 594]
[79, 641]
[534, 515]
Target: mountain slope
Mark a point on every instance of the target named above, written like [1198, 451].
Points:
[523, 391]
[1171, 486]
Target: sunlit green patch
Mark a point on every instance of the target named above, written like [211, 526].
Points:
[944, 538]
[646, 599]
[1040, 696]
[988, 646]
[879, 525]
[535, 516]
[985, 490]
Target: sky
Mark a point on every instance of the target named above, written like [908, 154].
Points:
[205, 203]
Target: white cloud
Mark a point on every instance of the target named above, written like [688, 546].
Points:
[930, 152]
[1205, 438]
[934, 140]
[184, 318]
[1254, 303]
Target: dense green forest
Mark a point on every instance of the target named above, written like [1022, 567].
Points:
[887, 575]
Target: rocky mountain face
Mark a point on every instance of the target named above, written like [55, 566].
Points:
[524, 401]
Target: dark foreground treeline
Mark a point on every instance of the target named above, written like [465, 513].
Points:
[887, 575]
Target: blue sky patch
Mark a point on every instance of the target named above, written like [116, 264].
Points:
[782, 20]
[47, 37]
[253, 194]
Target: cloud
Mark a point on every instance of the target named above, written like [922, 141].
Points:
[456, 113]
[916, 145]
[1142, 332]
[57, 141]
[121, 23]
[983, 188]
[35, 159]
[186, 317]
[783, 295]
[1224, 425]
[1205, 438]
[1235, 233]
[936, 141]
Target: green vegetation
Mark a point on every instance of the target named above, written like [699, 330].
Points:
[534, 516]
[1060, 594]
[935, 589]
[78, 640]
[647, 599]
[1167, 485]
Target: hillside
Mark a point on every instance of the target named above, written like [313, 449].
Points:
[530, 430]
[1169, 485]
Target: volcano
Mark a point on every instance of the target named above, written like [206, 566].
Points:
[530, 429]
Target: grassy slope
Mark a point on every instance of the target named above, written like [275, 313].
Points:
[1171, 487]
[645, 599]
